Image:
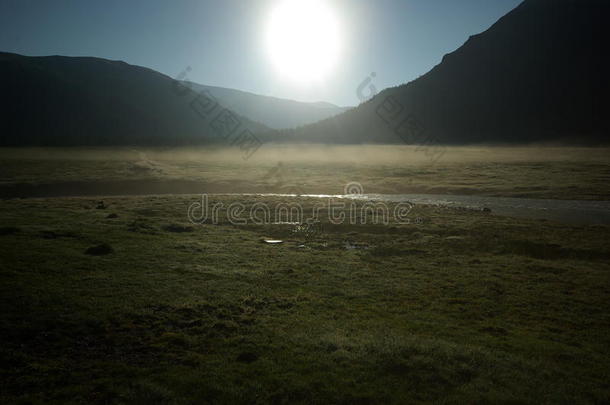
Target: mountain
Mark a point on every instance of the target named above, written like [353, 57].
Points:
[58, 100]
[540, 73]
[273, 112]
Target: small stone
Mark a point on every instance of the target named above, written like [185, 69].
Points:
[9, 230]
[99, 250]
[178, 228]
[247, 357]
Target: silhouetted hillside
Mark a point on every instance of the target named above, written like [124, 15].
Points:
[540, 73]
[58, 100]
[273, 112]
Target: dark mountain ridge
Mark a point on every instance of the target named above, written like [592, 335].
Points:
[539, 74]
[58, 100]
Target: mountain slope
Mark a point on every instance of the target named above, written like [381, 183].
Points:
[273, 112]
[57, 100]
[540, 73]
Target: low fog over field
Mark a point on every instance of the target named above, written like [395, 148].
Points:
[528, 171]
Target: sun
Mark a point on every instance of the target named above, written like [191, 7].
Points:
[303, 39]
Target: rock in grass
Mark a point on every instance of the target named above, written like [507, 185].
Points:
[99, 250]
[112, 216]
[247, 357]
[49, 235]
[178, 228]
[8, 230]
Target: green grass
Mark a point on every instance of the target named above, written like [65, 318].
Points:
[466, 307]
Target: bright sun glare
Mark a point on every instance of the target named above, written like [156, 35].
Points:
[303, 39]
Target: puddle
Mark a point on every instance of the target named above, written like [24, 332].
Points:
[272, 241]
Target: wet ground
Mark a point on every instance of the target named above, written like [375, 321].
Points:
[566, 211]
[581, 212]
[578, 212]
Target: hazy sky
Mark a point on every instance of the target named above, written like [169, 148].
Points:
[223, 41]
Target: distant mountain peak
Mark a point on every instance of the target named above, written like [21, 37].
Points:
[274, 112]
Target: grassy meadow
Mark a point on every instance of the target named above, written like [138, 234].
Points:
[533, 172]
[126, 301]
